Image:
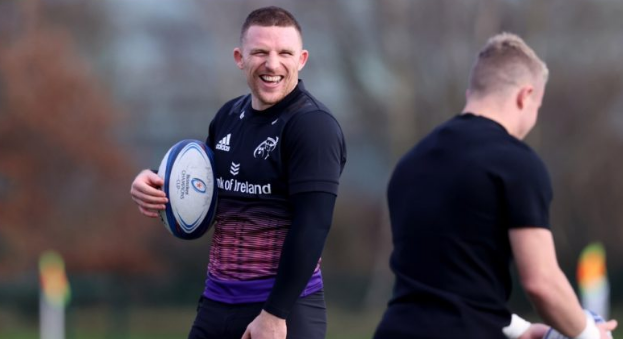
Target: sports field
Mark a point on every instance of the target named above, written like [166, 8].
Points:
[160, 323]
[172, 323]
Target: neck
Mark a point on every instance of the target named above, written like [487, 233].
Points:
[496, 111]
[257, 105]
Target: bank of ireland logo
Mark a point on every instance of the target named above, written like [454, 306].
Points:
[264, 149]
[234, 169]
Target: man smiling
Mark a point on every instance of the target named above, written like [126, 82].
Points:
[279, 154]
[271, 58]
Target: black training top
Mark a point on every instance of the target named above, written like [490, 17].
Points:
[452, 200]
[262, 159]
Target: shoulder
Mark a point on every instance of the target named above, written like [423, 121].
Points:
[519, 163]
[309, 102]
[315, 119]
[303, 104]
[313, 129]
[317, 126]
[517, 153]
[306, 109]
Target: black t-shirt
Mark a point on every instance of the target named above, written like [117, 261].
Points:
[452, 200]
[261, 159]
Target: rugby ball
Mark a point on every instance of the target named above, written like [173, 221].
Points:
[190, 185]
[553, 334]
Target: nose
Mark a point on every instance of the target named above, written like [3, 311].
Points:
[272, 61]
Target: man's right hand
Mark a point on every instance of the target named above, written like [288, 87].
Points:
[537, 331]
[605, 329]
[147, 194]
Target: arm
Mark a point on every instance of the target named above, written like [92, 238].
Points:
[315, 153]
[312, 215]
[544, 282]
[528, 195]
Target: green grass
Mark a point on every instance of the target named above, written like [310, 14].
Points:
[161, 323]
[19, 335]
[171, 323]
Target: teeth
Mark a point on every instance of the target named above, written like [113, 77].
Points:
[269, 78]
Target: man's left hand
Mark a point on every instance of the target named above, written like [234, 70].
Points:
[266, 326]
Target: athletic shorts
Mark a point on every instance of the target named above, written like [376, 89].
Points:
[216, 320]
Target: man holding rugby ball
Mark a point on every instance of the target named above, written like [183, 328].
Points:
[278, 154]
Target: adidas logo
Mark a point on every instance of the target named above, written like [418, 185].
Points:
[223, 144]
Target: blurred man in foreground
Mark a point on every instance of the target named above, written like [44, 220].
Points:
[466, 200]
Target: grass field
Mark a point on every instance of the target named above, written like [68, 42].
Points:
[171, 323]
[161, 323]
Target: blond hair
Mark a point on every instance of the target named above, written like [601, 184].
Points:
[506, 61]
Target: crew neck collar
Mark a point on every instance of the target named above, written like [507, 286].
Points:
[470, 115]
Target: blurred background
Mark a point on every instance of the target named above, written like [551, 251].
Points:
[91, 92]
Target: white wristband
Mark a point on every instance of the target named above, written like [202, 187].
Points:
[590, 330]
[517, 327]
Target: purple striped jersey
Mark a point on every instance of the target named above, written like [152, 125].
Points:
[262, 157]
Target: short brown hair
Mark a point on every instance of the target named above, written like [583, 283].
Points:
[505, 61]
[270, 16]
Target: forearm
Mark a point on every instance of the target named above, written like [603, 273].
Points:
[556, 302]
[302, 248]
[544, 282]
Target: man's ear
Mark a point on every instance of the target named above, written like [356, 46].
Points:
[522, 96]
[238, 57]
[303, 59]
